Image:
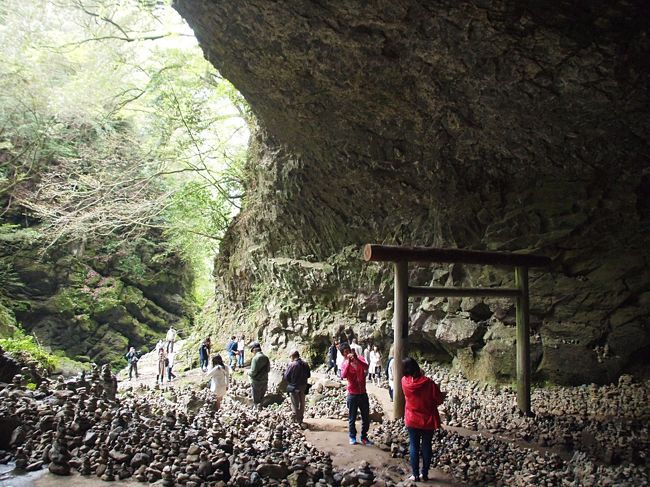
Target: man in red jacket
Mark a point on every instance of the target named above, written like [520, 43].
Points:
[421, 415]
[354, 369]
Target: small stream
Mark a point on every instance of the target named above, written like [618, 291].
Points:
[9, 477]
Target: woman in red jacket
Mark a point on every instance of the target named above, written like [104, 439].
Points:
[421, 415]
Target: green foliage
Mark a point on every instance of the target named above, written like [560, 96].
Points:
[112, 127]
[132, 265]
[25, 347]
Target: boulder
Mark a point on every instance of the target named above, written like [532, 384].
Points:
[273, 471]
[458, 332]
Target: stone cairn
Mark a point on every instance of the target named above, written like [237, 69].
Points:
[177, 438]
[589, 435]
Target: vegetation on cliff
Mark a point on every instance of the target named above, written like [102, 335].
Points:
[120, 157]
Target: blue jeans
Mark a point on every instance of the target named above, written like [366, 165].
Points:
[415, 437]
[358, 402]
[240, 359]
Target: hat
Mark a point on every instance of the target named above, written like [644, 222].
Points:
[294, 353]
[255, 345]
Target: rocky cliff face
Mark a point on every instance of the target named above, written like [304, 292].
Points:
[502, 125]
[94, 305]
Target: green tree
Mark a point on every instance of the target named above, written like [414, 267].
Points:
[112, 126]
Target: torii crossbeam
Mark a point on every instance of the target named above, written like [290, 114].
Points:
[401, 256]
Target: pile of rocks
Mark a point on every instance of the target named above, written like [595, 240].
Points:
[330, 402]
[600, 432]
[583, 418]
[176, 437]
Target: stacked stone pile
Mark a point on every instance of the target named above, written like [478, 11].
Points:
[175, 438]
[330, 402]
[486, 460]
[603, 427]
[607, 422]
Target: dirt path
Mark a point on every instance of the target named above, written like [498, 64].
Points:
[148, 370]
[331, 436]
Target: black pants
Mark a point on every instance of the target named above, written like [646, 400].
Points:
[358, 402]
[331, 365]
[133, 367]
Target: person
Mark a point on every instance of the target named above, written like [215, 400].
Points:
[241, 345]
[354, 369]
[259, 374]
[231, 348]
[366, 356]
[162, 365]
[422, 398]
[296, 376]
[160, 345]
[132, 358]
[375, 364]
[356, 347]
[170, 364]
[219, 379]
[390, 374]
[171, 338]
[203, 356]
[331, 357]
[339, 360]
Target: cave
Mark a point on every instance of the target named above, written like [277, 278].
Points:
[505, 125]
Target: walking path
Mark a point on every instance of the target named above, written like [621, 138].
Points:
[328, 435]
[331, 436]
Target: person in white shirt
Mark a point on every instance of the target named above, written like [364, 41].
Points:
[339, 361]
[356, 347]
[375, 364]
[391, 372]
[219, 379]
[171, 338]
[241, 346]
[170, 363]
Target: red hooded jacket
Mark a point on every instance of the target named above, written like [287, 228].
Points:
[422, 400]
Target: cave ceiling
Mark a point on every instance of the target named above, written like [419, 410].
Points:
[485, 86]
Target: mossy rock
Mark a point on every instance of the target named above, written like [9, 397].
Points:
[70, 302]
[8, 324]
[71, 271]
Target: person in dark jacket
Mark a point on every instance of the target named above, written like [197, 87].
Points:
[132, 358]
[204, 354]
[296, 376]
[331, 357]
[231, 349]
[259, 374]
[421, 415]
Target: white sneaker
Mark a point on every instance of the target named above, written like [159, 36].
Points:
[413, 478]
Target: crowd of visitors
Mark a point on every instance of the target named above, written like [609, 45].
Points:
[349, 361]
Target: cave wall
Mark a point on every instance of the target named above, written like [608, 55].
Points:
[502, 125]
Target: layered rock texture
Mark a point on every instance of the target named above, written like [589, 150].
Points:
[94, 305]
[500, 125]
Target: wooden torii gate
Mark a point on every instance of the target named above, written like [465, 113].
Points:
[401, 256]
